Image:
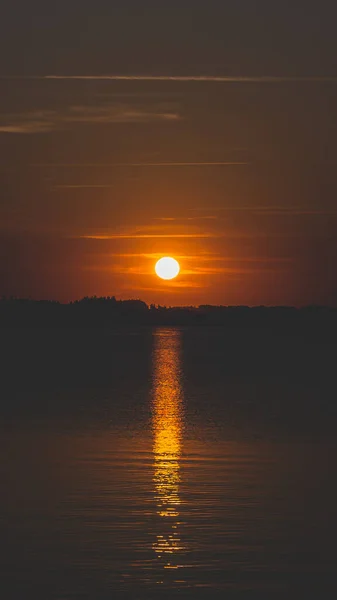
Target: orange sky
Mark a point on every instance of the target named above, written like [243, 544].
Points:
[254, 257]
[142, 135]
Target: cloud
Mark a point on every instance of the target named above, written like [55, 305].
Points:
[197, 235]
[203, 218]
[27, 127]
[202, 257]
[149, 231]
[40, 121]
[131, 236]
[180, 230]
[166, 219]
[171, 287]
[229, 270]
[120, 113]
[185, 78]
[181, 219]
[143, 270]
[149, 255]
[84, 185]
[45, 121]
[292, 211]
[226, 163]
[269, 210]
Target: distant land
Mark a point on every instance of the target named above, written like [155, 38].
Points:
[108, 312]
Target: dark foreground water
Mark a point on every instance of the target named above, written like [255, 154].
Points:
[172, 463]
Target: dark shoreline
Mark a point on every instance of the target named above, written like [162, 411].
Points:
[109, 313]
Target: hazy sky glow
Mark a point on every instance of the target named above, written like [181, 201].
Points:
[133, 130]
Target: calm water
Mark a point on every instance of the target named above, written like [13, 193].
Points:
[169, 468]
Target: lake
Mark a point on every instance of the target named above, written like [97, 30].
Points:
[166, 462]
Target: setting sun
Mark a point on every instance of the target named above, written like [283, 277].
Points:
[167, 268]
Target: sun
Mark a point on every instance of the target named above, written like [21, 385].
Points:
[167, 268]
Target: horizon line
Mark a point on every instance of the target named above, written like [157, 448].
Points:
[114, 298]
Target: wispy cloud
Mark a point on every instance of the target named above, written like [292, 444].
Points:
[83, 186]
[147, 270]
[202, 257]
[181, 219]
[131, 236]
[269, 210]
[232, 270]
[27, 127]
[225, 163]
[149, 255]
[185, 78]
[44, 121]
[292, 211]
[170, 287]
[179, 230]
[240, 235]
[120, 113]
[39, 121]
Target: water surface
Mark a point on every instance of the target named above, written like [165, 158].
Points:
[162, 472]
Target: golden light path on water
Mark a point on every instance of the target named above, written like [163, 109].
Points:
[167, 417]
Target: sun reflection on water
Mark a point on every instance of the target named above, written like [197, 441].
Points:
[167, 427]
